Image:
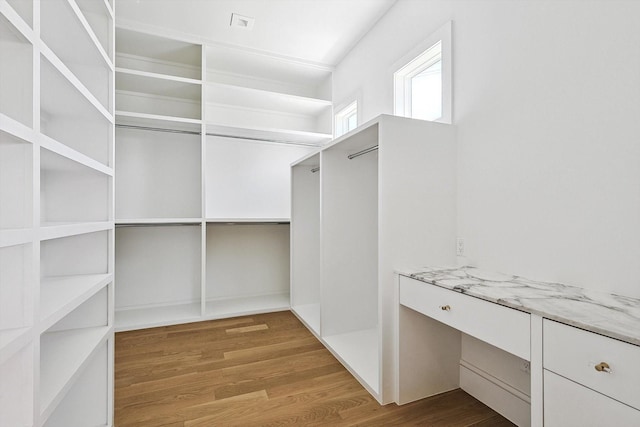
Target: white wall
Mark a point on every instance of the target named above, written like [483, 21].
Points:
[547, 104]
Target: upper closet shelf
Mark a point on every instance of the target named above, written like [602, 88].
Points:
[220, 93]
[269, 134]
[158, 84]
[157, 121]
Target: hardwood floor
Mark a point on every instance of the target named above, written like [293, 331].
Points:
[262, 370]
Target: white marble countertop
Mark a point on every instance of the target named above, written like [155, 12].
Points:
[610, 315]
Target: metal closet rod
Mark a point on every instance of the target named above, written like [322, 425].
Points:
[363, 152]
[193, 132]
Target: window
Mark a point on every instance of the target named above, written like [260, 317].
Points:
[346, 119]
[422, 85]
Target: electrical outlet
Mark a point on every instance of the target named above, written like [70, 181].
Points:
[526, 367]
[460, 246]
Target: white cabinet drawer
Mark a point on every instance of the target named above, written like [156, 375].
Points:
[574, 353]
[497, 325]
[568, 404]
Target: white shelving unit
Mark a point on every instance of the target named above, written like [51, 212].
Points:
[259, 96]
[56, 212]
[203, 156]
[376, 199]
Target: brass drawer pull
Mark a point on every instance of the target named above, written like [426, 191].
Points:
[603, 367]
[445, 308]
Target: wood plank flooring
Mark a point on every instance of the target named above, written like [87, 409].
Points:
[262, 370]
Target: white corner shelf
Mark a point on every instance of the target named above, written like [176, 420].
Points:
[50, 231]
[61, 295]
[12, 341]
[269, 134]
[64, 354]
[149, 317]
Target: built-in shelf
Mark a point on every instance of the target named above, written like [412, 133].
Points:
[69, 153]
[69, 115]
[56, 211]
[231, 307]
[16, 75]
[12, 237]
[269, 134]
[12, 341]
[157, 121]
[150, 317]
[158, 221]
[265, 100]
[58, 230]
[248, 220]
[65, 31]
[61, 295]
[158, 84]
[16, 129]
[157, 54]
[63, 357]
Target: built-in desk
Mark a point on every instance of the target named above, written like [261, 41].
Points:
[583, 346]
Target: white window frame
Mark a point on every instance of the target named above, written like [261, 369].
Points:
[417, 60]
[341, 118]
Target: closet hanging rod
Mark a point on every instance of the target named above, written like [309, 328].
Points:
[363, 152]
[316, 169]
[255, 138]
[223, 135]
[158, 224]
[152, 129]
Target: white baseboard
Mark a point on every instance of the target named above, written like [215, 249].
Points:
[499, 396]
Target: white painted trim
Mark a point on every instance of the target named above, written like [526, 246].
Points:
[495, 394]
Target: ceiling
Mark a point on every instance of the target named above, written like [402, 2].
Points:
[319, 31]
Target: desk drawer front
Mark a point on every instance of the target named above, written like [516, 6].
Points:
[497, 325]
[568, 404]
[574, 353]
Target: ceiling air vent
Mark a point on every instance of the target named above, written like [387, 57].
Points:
[244, 22]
